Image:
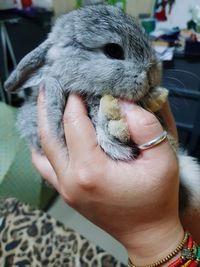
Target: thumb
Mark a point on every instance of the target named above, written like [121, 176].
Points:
[143, 125]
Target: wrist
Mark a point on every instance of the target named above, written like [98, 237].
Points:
[153, 243]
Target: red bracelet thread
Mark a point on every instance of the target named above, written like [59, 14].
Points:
[189, 255]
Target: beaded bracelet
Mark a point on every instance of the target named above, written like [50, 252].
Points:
[190, 255]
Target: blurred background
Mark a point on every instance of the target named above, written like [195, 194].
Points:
[174, 28]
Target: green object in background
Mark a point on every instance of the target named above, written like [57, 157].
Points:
[78, 3]
[18, 178]
[191, 25]
[9, 142]
[119, 3]
[198, 28]
[149, 24]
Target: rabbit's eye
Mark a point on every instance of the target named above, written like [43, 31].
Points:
[114, 51]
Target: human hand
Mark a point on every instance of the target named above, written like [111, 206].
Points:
[136, 201]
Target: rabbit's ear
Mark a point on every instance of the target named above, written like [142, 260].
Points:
[27, 66]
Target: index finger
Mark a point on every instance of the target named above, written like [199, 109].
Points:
[79, 132]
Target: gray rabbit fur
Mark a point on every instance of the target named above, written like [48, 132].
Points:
[94, 51]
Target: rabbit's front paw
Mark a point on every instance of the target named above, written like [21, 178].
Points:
[115, 149]
[112, 130]
[119, 130]
[117, 126]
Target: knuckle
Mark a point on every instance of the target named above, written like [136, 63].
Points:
[149, 120]
[70, 118]
[84, 179]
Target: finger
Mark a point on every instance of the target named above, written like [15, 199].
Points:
[143, 125]
[53, 149]
[169, 120]
[79, 131]
[44, 168]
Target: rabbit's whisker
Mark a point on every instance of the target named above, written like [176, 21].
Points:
[176, 80]
[184, 71]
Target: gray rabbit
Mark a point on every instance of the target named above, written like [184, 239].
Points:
[96, 50]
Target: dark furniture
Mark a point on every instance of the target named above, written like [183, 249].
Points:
[182, 77]
[19, 34]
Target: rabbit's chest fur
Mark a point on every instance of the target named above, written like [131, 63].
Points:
[94, 51]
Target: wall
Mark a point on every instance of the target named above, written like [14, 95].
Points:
[180, 14]
[134, 7]
[63, 6]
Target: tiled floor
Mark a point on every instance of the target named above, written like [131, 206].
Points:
[72, 219]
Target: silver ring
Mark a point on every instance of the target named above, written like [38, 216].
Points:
[159, 139]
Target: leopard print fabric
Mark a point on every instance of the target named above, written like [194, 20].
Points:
[30, 237]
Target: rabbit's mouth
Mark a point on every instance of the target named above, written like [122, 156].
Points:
[146, 96]
[152, 100]
[136, 96]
